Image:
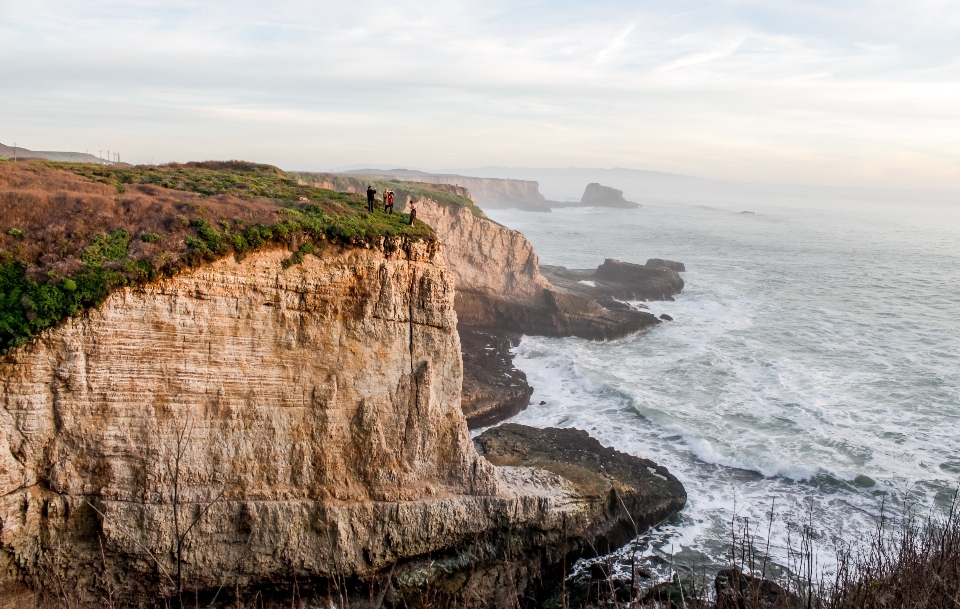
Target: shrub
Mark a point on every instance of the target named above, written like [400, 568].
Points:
[60, 260]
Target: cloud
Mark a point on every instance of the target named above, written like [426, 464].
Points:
[808, 91]
[695, 58]
[616, 45]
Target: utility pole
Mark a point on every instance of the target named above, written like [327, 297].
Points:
[14, 152]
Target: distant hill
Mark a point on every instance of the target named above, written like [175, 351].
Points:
[72, 157]
[566, 184]
[499, 193]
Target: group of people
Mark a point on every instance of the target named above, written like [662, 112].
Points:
[388, 196]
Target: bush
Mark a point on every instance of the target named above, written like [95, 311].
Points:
[246, 207]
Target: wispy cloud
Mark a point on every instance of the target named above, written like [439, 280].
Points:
[806, 91]
[616, 45]
[695, 58]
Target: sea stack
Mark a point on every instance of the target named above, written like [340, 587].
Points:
[603, 196]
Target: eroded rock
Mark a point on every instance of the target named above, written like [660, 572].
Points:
[246, 427]
[598, 195]
[493, 389]
[666, 264]
[738, 590]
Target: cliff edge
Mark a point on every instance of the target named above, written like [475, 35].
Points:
[260, 427]
[502, 294]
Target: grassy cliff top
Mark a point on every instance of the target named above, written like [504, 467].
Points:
[442, 194]
[70, 233]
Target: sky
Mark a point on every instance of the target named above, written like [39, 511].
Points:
[842, 93]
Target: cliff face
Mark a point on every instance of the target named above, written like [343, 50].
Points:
[492, 193]
[499, 284]
[605, 196]
[251, 427]
[485, 257]
[495, 193]
[334, 380]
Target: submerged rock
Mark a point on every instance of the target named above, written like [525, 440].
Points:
[665, 317]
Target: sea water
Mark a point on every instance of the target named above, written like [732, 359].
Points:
[811, 373]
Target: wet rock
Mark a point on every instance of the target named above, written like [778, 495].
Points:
[738, 590]
[666, 264]
[631, 493]
[493, 389]
[615, 281]
[665, 317]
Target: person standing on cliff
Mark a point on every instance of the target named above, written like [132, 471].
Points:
[388, 202]
[413, 211]
[371, 191]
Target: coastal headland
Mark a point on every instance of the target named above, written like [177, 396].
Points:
[221, 383]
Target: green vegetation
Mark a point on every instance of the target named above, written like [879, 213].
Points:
[310, 217]
[27, 306]
[416, 190]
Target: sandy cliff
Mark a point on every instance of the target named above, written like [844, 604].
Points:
[499, 284]
[491, 193]
[501, 294]
[242, 425]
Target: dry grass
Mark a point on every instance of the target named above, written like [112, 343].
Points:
[72, 232]
[59, 213]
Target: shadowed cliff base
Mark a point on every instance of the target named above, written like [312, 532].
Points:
[501, 291]
[493, 390]
[281, 418]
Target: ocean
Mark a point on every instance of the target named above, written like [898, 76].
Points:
[812, 369]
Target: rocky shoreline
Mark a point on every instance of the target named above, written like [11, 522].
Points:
[504, 292]
[257, 429]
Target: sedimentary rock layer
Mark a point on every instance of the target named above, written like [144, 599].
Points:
[499, 284]
[246, 425]
[267, 389]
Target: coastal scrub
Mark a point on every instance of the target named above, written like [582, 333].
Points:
[71, 233]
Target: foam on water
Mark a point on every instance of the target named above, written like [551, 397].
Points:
[813, 362]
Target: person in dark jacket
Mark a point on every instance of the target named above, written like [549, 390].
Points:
[371, 191]
[413, 212]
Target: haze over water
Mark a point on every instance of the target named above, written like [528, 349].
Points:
[814, 361]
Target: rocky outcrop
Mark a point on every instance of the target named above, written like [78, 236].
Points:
[493, 389]
[246, 426]
[499, 284]
[614, 281]
[666, 264]
[621, 486]
[604, 196]
[491, 193]
[735, 589]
